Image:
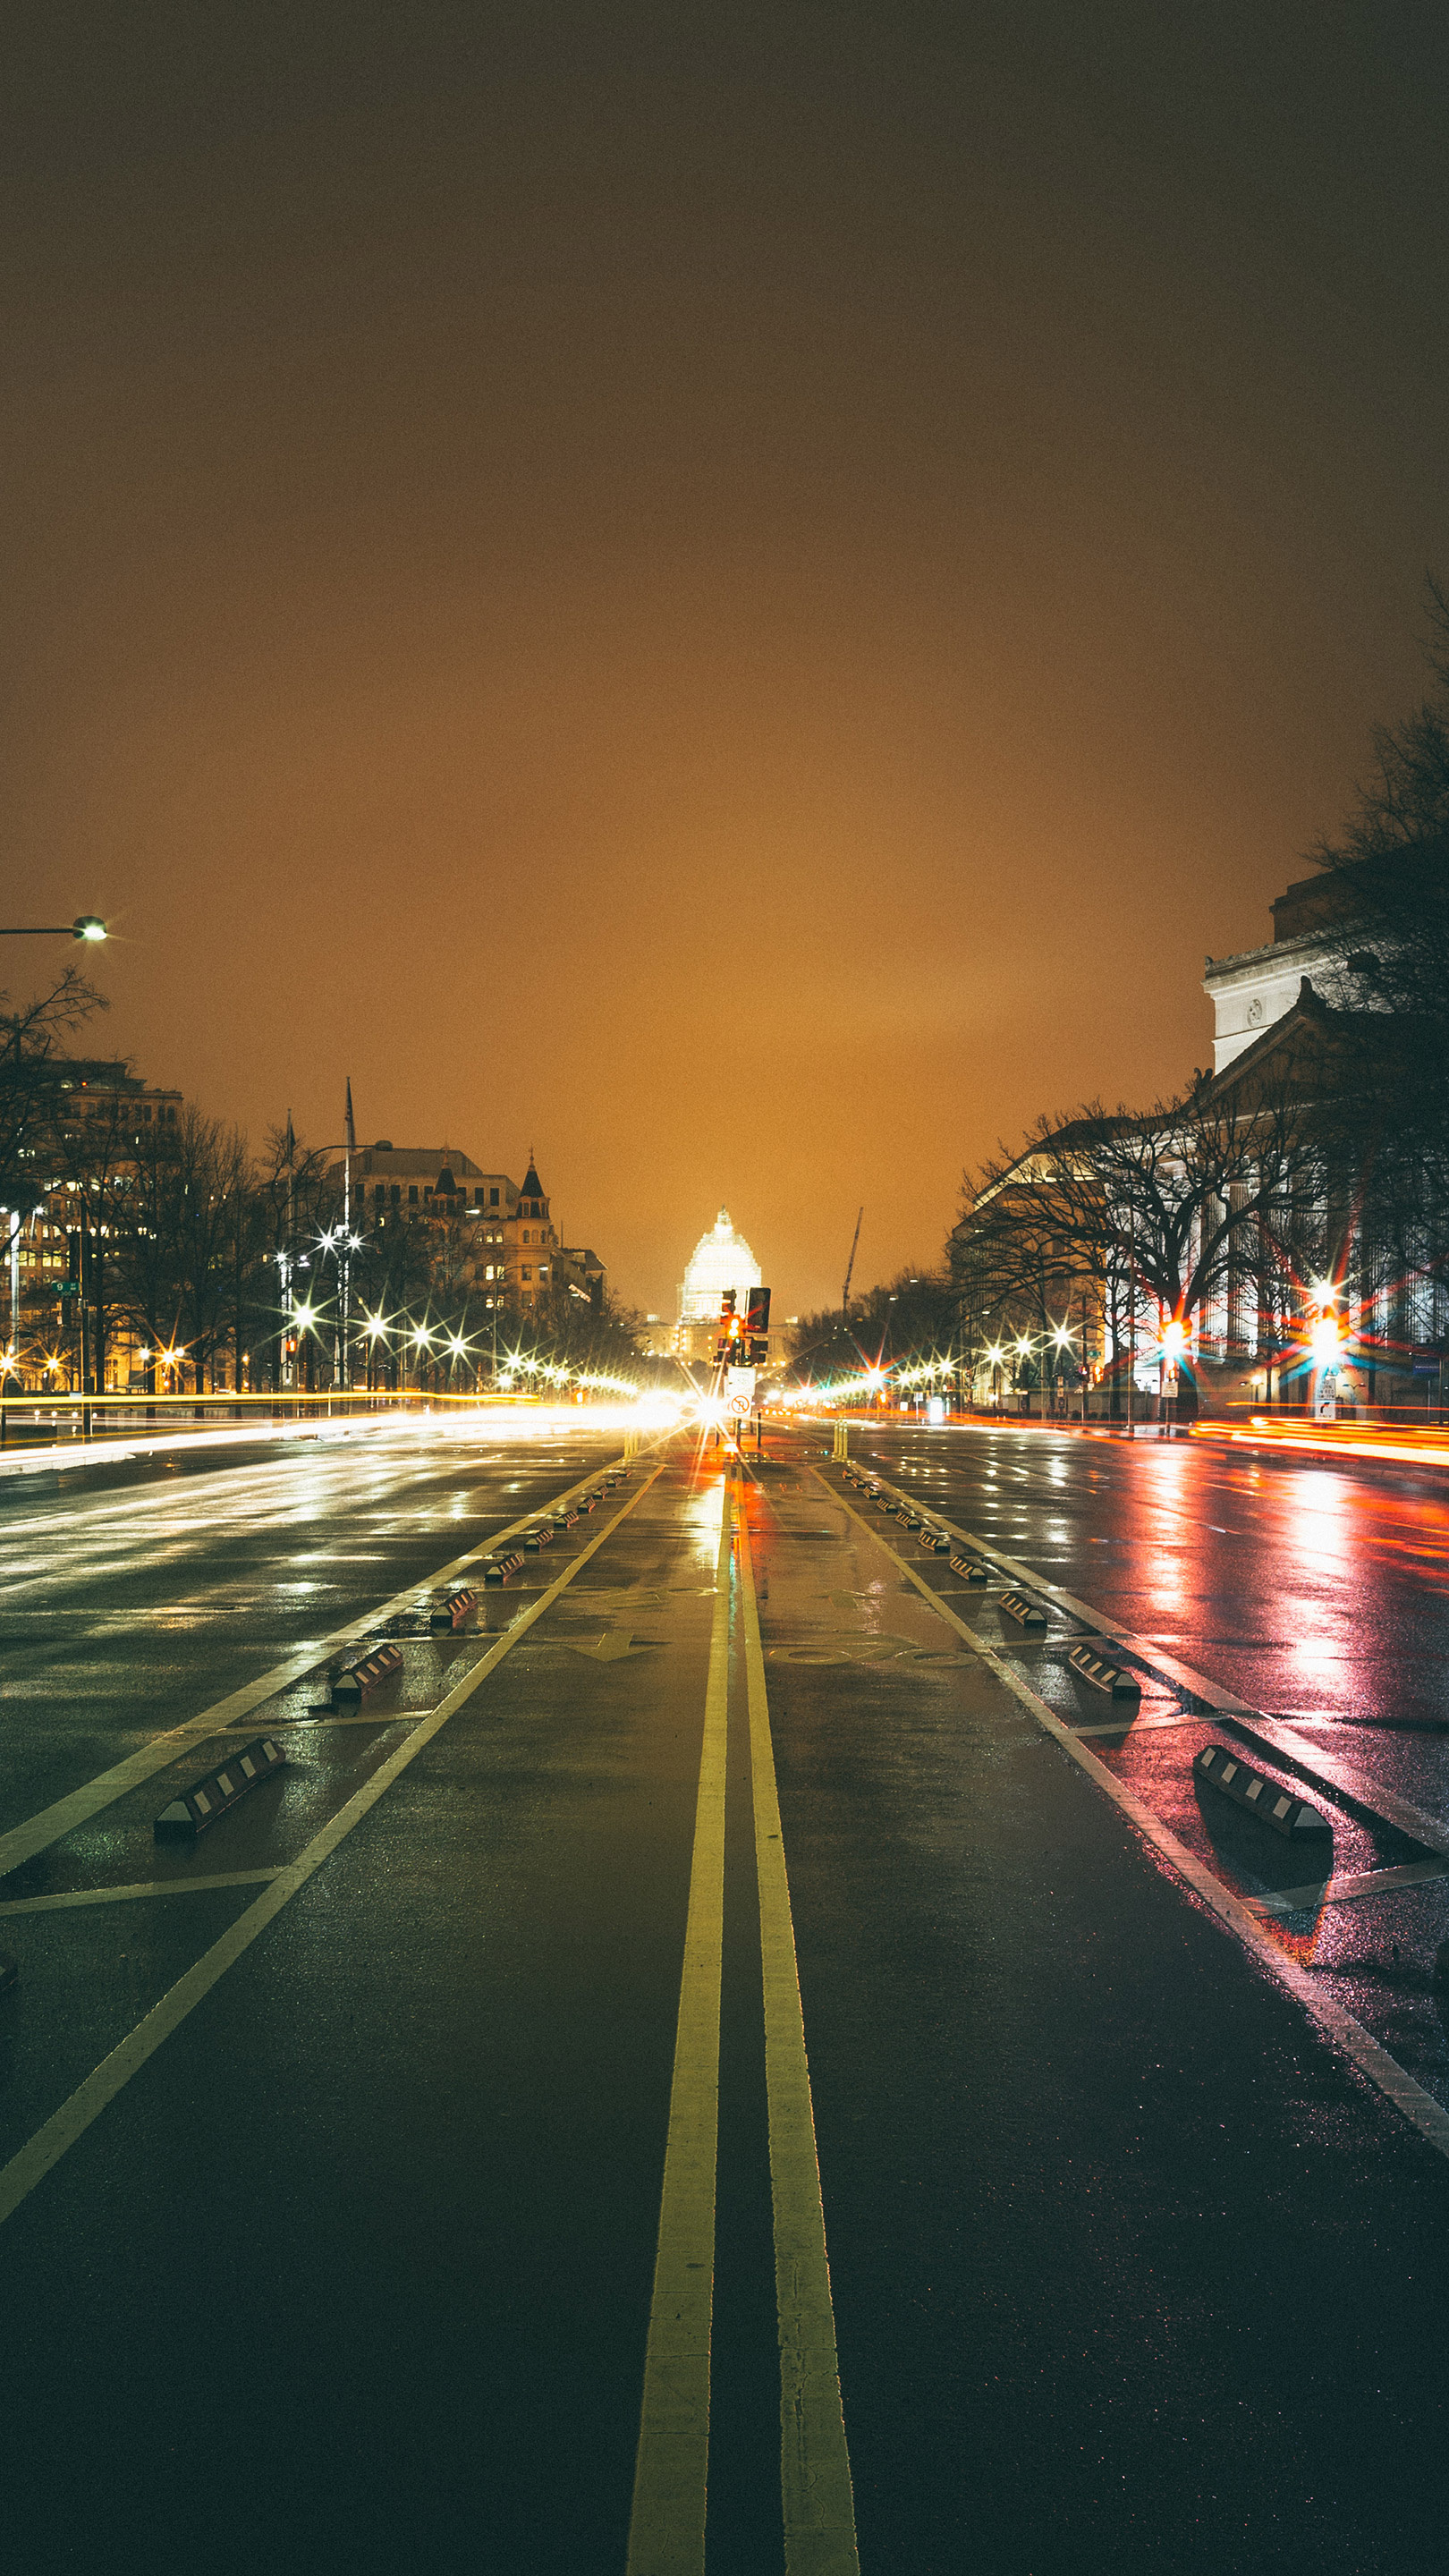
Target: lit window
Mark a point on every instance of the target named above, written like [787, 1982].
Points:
[528, 1274]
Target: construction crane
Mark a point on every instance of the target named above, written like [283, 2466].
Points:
[849, 1269]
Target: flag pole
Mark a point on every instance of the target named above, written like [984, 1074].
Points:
[350, 1133]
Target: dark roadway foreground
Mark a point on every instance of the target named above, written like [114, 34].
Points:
[346, 2258]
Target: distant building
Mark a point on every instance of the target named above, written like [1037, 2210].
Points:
[532, 1244]
[720, 1260]
[515, 1257]
[440, 1185]
[100, 1117]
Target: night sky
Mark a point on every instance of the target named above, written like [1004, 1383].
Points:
[737, 595]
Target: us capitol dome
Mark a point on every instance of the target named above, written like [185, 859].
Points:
[721, 1259]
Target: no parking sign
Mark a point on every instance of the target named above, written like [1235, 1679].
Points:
[739, 1391]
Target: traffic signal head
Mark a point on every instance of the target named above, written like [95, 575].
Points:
[726, 1304]
[757, 1310]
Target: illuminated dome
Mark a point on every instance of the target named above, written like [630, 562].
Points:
[721, 1259]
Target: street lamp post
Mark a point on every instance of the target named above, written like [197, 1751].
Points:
[1327, 1340]
[87, 926]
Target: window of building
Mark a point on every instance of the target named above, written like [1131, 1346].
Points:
[379, 1191]
[543, 1270]
[493, 1198]
[528, 1274]
[397, 1194]
[412, 1194]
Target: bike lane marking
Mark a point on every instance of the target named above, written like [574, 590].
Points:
[30, 2163]
[1383, 2071]
[21, 1842]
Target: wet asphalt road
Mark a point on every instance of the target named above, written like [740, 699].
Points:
[355, 2268]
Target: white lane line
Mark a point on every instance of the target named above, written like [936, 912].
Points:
[30, 2164]
[399, 1717]
[47, 1826]
[1127, 1724]
[815, 2484]
[1383, 2071]
[1348, 1890]
[671, 2469]
[140, 1887]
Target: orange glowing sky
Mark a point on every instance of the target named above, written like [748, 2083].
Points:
[736, 594]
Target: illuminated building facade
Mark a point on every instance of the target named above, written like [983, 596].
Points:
[1253, 990]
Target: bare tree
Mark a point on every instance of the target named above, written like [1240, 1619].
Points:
[1178, 1211]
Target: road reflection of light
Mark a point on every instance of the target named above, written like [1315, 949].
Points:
[704, 1517]
[165, 1519]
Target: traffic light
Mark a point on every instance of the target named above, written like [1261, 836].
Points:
[759, 1353]
[757, 1310]
[726, 1305]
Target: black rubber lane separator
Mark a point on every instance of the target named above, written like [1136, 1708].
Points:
[541, 1536]
[972, 1568]
[353, 1681]
[221, 1789]
[565, 1520]
[1111, 1678]
[450, 1609]
[936, 1541]
[497, 1569]
[1020, 1607]
[1277, 1806]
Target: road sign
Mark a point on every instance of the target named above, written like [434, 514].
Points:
[739, 1391]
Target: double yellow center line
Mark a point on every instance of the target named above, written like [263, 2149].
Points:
[667, 2528]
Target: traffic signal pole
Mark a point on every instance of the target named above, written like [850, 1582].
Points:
[741, 1349]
